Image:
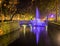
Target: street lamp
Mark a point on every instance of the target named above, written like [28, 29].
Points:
[0, 3]
[56, 10]
[0, 7]
[1, 11]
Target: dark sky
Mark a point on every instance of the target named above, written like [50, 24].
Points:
[42, 4]
[27, 3]
[24, 3]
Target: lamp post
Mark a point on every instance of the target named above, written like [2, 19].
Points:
[56, 10]
[0, 7]
[1, 11]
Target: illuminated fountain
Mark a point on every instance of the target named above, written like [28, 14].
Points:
[37, 25]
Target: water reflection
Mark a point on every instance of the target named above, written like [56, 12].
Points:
[31, 38]
[55, 37]
[24, 27]
[17, 38]
[54, 34]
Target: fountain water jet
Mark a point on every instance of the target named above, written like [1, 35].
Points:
[37, 24]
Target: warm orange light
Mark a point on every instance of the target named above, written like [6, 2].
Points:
[50, 19]
[0, 1]
[10, 2]
[1, 32]
[15, 2]
[4, 4]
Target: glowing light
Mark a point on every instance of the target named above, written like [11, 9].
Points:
[0, 1]
[37, 14]
[46, 28]
[24, 26]
[4, 4]
[1, 32]
[37, 25]
[37, 38]
[30, 27]
[34, 27]
[52, 16]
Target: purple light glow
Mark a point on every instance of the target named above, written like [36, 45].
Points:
[37, 25]
[52, 16]
[37, 14]
[37, 37]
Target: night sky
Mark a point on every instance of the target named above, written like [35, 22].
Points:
[24, 3]
[44, 6]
